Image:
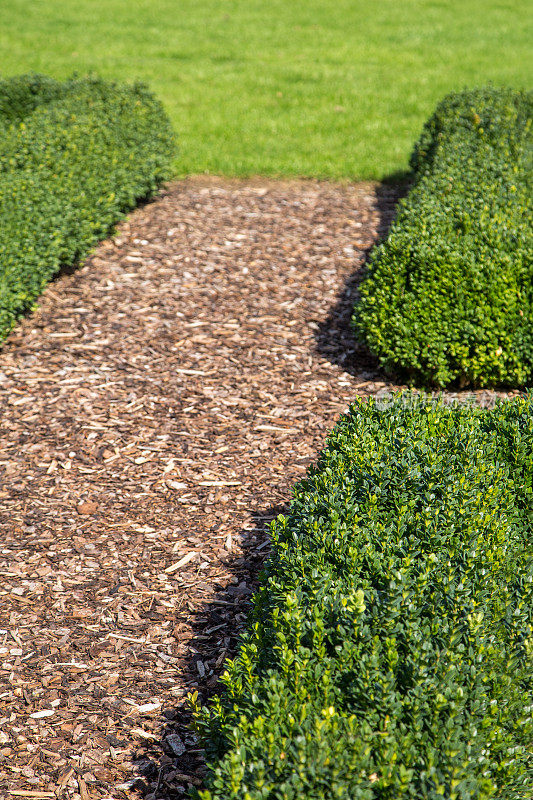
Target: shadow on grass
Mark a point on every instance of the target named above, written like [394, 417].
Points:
[335, 338]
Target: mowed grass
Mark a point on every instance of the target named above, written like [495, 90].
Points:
[323, 88]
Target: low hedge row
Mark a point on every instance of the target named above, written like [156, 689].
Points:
[389, 653]
[74, 156]
[448, 296]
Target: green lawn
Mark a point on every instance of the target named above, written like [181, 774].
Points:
[327, 88]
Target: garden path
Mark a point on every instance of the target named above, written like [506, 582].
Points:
[157, 407]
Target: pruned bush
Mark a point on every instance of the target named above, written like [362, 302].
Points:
[448, 297]
[390, 645]
[74, 157]
[22, 94]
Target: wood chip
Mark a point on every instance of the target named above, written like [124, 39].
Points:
[64, 779]
[219, 483]
[143, 734]
[157, 409]
[181, 563]
[148, 707]
[83, 789]
[87, 507]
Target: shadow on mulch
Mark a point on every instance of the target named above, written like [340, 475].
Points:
[169, 767]
[335, 339]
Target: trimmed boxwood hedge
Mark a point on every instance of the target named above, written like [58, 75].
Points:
[74, 156]
[448, 297]
[390, 646]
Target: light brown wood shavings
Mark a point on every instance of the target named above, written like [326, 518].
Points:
[156, 410]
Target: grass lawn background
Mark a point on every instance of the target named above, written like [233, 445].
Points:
[323, 88]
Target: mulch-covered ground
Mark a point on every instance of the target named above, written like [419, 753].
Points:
[156, 410]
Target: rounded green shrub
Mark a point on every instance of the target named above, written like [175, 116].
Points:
[448, 296]
[389, 649]
[74, 157]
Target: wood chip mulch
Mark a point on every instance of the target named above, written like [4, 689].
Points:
[156, 410]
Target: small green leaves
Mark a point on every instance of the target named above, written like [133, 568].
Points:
[354, 602]
[448, 298]
[74, 156]
[389, 653]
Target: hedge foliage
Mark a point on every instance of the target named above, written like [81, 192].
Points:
[448, 296]
[389, 653]
[74, 156]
